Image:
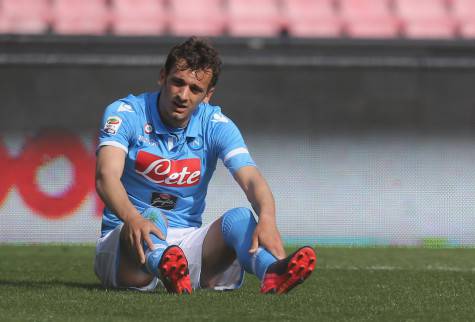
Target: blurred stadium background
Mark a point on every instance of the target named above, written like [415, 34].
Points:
[360, 113]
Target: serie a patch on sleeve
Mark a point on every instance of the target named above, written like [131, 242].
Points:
[112, 124]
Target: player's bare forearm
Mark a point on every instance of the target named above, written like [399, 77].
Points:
[260, 196]
[109, 167]
[257, 191]
[114, 196]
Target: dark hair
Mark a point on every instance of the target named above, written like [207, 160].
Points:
[198, 55]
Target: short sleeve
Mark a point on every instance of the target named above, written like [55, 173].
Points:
[116, 129]
[229, 143]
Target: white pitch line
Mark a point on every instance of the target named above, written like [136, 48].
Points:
[400, 268]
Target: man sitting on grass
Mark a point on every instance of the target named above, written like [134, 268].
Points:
[156, 155]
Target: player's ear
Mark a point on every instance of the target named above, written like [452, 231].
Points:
[208, 95]
[163, 75]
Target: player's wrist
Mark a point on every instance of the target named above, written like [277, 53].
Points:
[267, 217]
[131, 216]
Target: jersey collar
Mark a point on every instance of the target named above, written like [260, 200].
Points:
[193, 128]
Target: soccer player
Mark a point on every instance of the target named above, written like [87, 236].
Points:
[156, 155]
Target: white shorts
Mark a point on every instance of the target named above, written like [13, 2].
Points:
[189, 239]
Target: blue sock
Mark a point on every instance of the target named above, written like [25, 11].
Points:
[152, 257]
[238, 226]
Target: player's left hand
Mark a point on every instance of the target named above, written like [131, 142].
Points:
[268, 236]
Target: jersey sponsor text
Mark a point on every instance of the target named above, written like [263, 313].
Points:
[166, 172]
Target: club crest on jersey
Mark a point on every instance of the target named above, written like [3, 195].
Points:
[166, 172]
[148, 128]
[112, 124]
[196, 143]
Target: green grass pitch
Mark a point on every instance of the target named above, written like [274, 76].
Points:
[56, 283]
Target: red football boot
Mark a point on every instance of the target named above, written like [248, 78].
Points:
[174, 272]
[285, 274]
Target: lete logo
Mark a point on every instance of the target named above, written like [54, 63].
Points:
[172, 173]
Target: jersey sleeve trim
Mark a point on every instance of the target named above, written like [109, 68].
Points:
[114, 143]
[235, 152]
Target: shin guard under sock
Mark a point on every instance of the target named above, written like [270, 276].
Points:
[153, 256]
[238, 226]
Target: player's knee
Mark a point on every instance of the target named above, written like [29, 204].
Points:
[240, 216]
[158, 218]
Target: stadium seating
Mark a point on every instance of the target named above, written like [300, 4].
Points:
[425, 18]
[464, 12]
[311, 18]
[138, 17]
[200, 18]
[243, 18]
[80, 17]
[369, 19]
[24, 16]
[254, 18]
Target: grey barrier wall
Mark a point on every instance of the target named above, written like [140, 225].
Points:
[363, 142]
[332, 84]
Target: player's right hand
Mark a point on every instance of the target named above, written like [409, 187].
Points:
[138, 229]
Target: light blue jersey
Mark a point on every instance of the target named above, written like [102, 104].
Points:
[170, 168]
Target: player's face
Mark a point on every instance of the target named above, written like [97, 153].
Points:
[181, 92]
